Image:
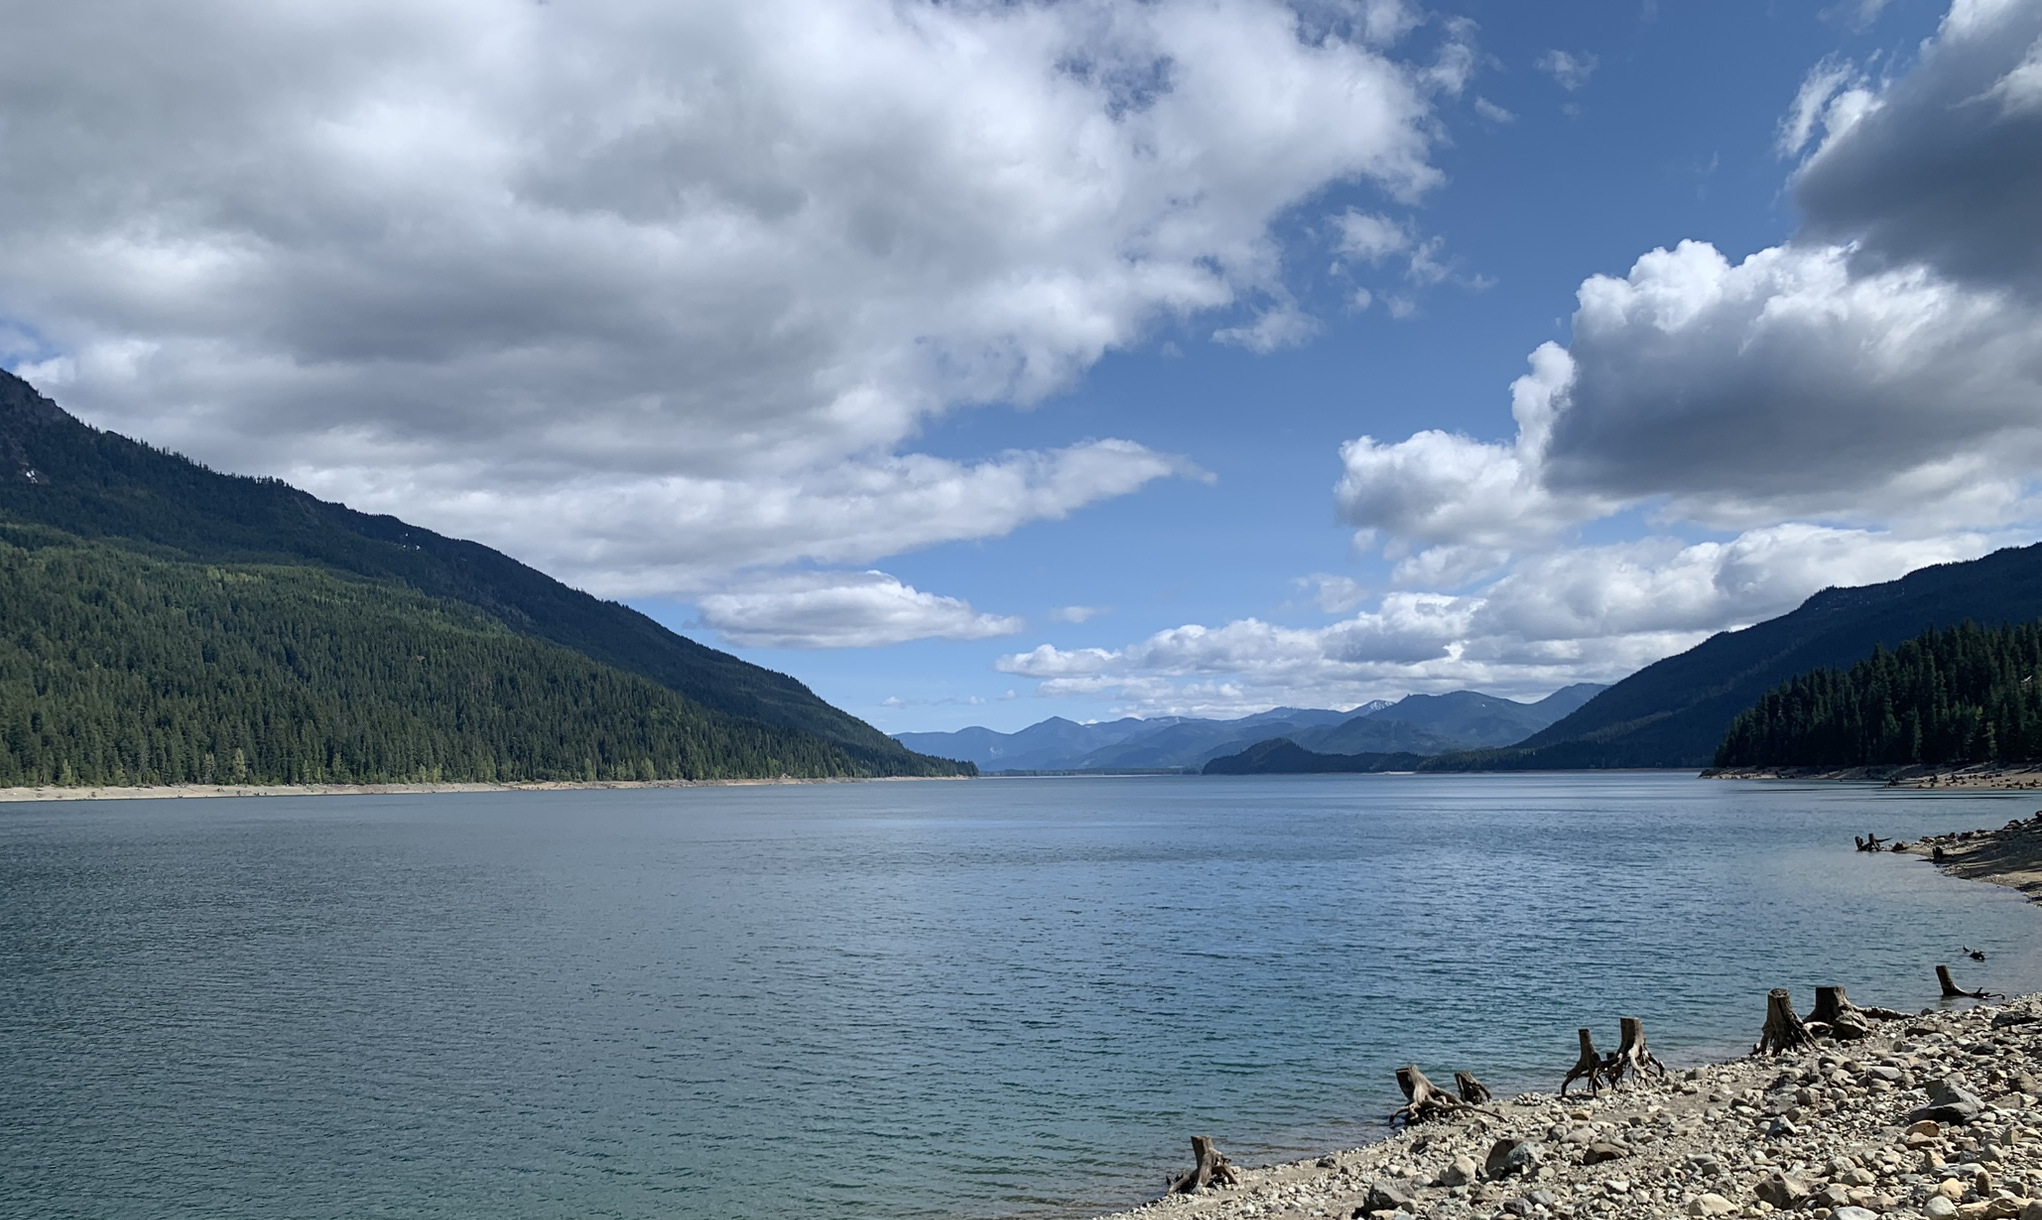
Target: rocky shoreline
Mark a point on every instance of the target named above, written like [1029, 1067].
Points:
[1987, 776]
[1936, 1116]
[168, 791]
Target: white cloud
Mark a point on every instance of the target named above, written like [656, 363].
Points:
[1577, 614]
[625, 536]
[624, 258]
[1838, 410]
[1273, 330]
[1492, 112]
[1817, 98]
[1078, 614]
[1371, 238]
[844, 610]
[1569, 69]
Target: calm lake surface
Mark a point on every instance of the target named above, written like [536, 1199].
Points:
[996, 998]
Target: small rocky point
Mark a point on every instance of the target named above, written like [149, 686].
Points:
[1933, 1116]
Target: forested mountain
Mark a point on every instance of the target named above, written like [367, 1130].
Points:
[1675, 712]
[243, 602]
[1965, 694]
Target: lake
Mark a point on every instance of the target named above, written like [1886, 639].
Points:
[939, 999]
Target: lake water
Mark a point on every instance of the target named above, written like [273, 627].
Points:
[996, 998]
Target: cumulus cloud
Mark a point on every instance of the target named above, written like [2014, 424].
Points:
[1884, 368]
[1858, 402]
[628, 257]
[844, 610]
[1574, 614]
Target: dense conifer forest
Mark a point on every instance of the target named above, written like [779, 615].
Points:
[123, 669]
[164, 623]
[1961, 695]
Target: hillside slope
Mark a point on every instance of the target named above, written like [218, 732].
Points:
[1674, 713]
[56, 472]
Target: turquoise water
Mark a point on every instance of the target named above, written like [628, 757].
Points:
[996, 998]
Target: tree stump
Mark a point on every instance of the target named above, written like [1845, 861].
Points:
[1425, 1099]
[1213, 1169]
[1951, 991]
[1835, 1013]
[1784, 1030]
[1633, 1055]
[1590, 1066]
[1472, 1091]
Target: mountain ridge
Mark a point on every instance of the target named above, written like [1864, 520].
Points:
[98, 487]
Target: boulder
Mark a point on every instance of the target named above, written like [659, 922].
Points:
[1459, 1172]
[1710, 1205]
[1784, 1191]
[1602, 1152]
[1508, 1156]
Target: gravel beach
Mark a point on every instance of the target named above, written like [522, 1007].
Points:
[1935, 1115]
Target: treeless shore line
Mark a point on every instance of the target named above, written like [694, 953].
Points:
[1912, 775]
[160, 792]
[1846, 1114]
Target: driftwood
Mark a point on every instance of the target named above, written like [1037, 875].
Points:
[1590, 1066]
[1426, 1101]
[1951, 991]
[1870, 843]
[1632, 1054]
[1784, 1030]
[1472, 1091]
[1213, 1169]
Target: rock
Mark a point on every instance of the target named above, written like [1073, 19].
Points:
[1949, 1104]
[1459, 1172]
[2033, 1211]
[1853, 1213]
[1601, 1152]
[1508, 1156]
[1387, 1197]
[1783, 1190]
[1925, 1127]
[1939, 1208]
[1710, 1205]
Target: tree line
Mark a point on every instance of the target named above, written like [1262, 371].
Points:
[120, 668]
[1958, 695]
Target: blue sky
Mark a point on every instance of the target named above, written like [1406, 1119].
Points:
[979, 363]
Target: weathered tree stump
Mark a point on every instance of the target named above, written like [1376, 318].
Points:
[1951, 991]
[1472, 1091]
[1213, 1169]
[1632, 1054]
[1784, 1030]
[1836, 1015]
[1589, 1066]
[1426, 1100]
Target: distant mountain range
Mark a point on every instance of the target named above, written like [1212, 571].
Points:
[164, 623]
[1417, 725]
[1675, 713]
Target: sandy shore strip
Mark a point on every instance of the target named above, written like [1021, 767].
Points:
[160, 792]
[1976, 775]
[1936, 1116]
